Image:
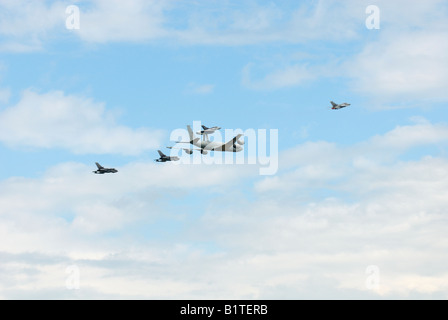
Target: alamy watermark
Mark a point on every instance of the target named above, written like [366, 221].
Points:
[373, 277]
[72, 282]
[73, 21]
[373, 20]
[253, 146]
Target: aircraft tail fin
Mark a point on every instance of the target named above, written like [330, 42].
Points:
[333, 104]
[98, 165]
[191, 134]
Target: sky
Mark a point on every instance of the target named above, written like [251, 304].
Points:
[324, 204]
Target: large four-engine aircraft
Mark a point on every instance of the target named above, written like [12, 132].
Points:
[102, 170]
[205, 146]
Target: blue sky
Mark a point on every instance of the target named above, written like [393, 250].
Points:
[358, 187]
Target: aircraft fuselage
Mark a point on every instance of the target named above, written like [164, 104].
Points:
[103, 171]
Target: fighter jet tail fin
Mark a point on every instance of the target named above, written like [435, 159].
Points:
[191, 134]
[99, 166]
[333, 104]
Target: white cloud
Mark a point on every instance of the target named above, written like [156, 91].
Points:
[375, 201]
[72, 188]
[236, 23]
[60, 219]
[403, 66]
[405, 137]
[407, 66]
[28, 25]
[282, 242]
[22, 17]
[80, 125]
[316, 163]
[421, 14]
[110, 21]
[25, 25]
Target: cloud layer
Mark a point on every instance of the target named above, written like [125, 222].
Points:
[402, 62]
[374, 211]
[77, 124]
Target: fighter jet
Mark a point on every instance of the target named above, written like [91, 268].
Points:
[165, 158]
[205, 146]
[336, 106]
[102, 170]
[208, 130]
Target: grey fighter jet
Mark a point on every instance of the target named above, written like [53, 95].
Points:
[165, 158]
[206, 131]
[102, 170]
[336, 106]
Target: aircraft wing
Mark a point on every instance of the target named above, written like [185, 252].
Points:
[186, 149]
[189, 142]
[230, 143]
